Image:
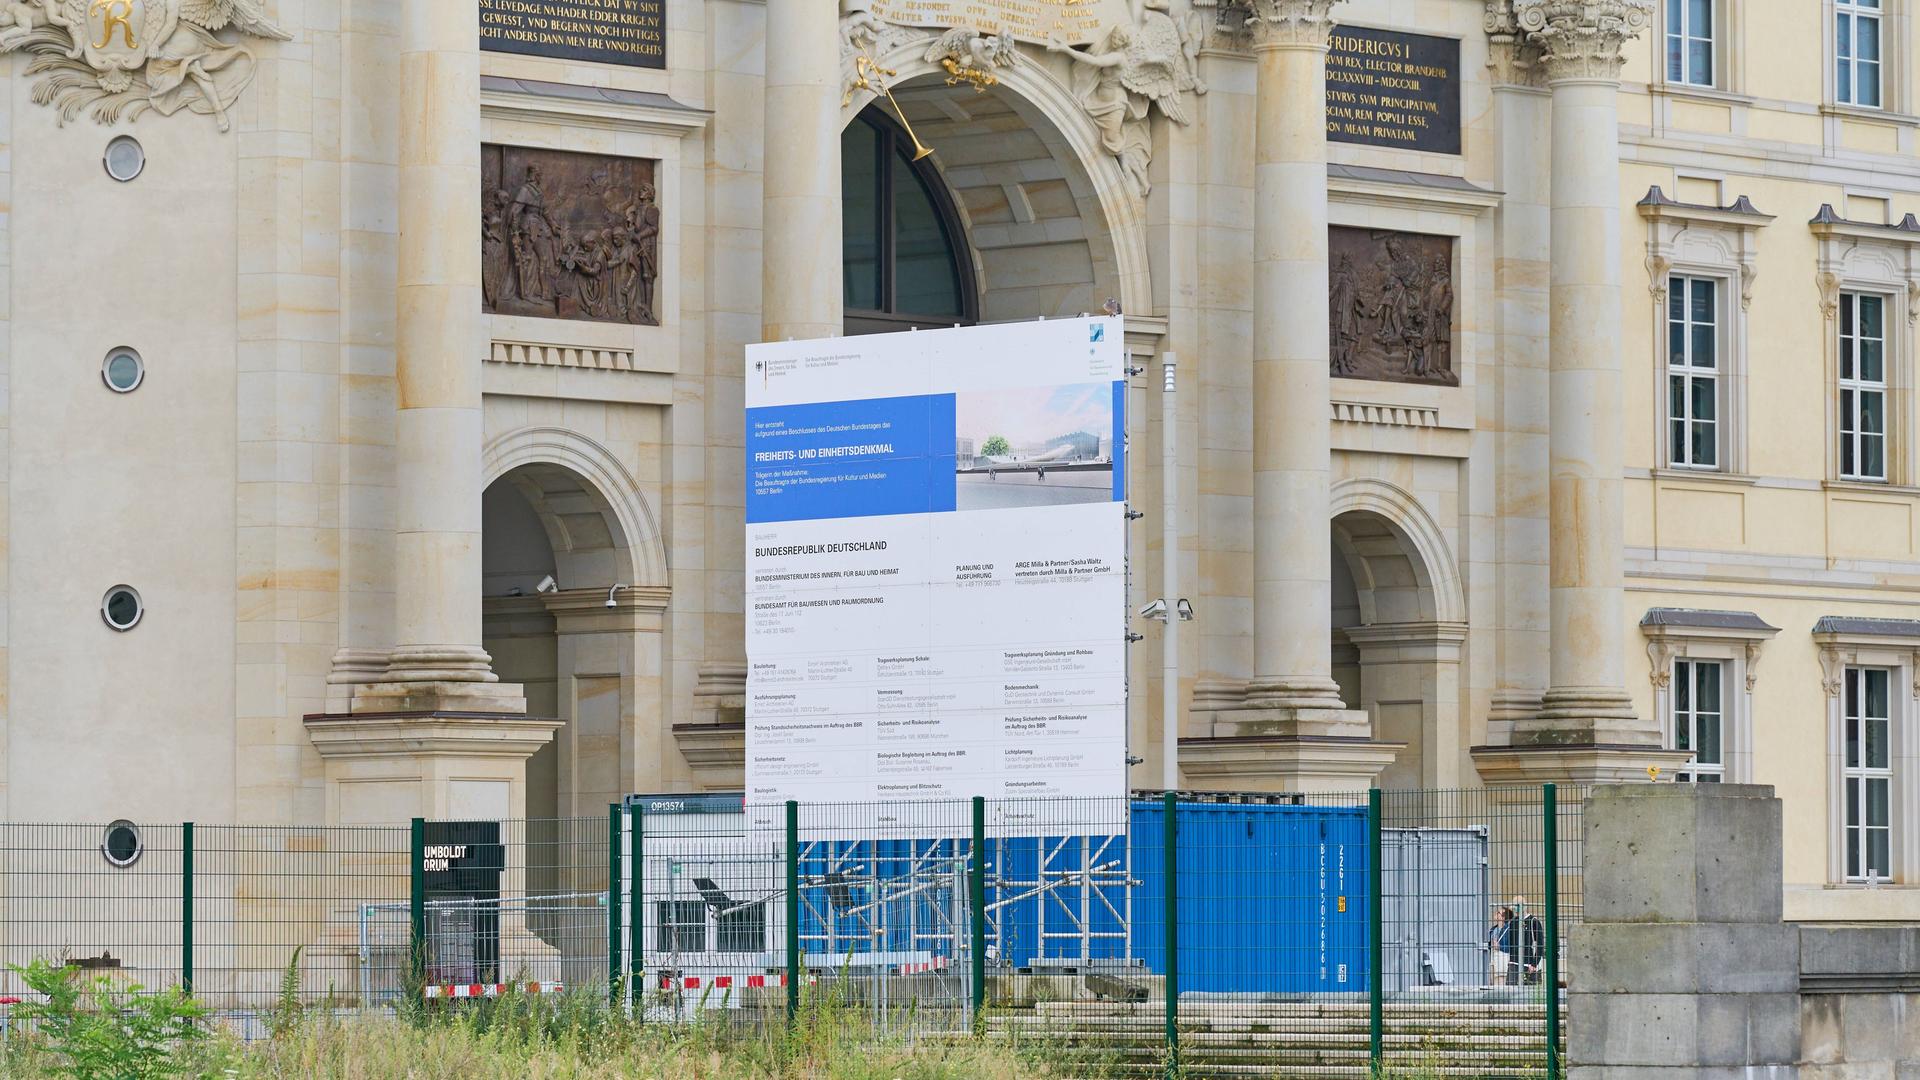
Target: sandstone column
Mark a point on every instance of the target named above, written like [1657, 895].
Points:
[1515, 498]
[438, 663]
[439, 736]
[1587, 700]
[801, 288]
[1293, 661]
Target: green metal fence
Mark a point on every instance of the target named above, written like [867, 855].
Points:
[1303, 935]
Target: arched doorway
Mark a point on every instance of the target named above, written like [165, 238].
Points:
[574, 613]
[1399, 631]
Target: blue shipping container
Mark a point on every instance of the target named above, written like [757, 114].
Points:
[1272, 899]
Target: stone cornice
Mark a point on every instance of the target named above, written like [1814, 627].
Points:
[1741, 214]
[1865, 251]
[1669, 630]
[1582, 39]
[1668, 221]
[581, 106]
[717, 753]
[1291, 24]
[469, 734]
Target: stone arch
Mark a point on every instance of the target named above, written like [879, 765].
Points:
[1058, 120]
[1399, 557]
[1400, 628]
[601, 527]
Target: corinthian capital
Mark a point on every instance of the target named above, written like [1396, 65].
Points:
[1511, 58]
[1581, 39]
[1280, 23]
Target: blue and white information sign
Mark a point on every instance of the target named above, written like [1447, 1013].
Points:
[935, 561]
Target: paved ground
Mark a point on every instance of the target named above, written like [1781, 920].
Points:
[979, 492]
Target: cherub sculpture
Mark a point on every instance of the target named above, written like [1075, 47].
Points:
[17, 20]
[859, 26]
[970, 56]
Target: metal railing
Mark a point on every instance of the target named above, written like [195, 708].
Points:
[1294, 934]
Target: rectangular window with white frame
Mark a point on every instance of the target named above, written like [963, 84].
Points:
[1693, 372]
[1856, 52]
[1863, 386]
[1867, 773]
[1698, 689]
[1690, 42]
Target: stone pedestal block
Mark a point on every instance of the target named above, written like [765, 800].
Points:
[1282, 761]
[1683, 853]
[386, 768]
[1573, 763]
[1688, 1031]
[1679, 958]
[1683, 967]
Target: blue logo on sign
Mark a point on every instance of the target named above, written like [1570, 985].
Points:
[1096, 332]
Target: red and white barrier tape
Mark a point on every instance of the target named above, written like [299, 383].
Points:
[723, 982]
[921, 969]
[727, 982]
[487, 990]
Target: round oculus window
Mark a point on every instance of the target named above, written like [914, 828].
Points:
[121, 607]
[125, 158]
[123, 370]
[121, 843]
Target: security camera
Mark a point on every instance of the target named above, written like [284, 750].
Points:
[1185, 607]
[1156, 611]
[547, 585]
[611, 602]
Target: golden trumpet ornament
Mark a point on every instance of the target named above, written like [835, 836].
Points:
[863, 67]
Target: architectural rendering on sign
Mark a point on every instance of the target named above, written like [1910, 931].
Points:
[492, 417]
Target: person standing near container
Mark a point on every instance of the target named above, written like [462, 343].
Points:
[1500, 945]
[1530, 939]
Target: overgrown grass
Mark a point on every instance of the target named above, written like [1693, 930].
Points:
[89, 1029]
[572, 1037]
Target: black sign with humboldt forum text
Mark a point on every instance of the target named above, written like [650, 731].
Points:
[630, 32]
[1386, 88]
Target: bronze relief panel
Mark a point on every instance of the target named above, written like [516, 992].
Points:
[568, 236]
[1390, 305]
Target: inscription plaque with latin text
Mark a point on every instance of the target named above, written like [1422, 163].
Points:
[1386, 88]
[1071, 22]
[630, 32]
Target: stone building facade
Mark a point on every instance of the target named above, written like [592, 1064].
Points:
[1548, 393]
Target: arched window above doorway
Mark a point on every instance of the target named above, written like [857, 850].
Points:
[906, 263]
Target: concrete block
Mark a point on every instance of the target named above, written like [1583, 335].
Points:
[1682, 853]
[1748, 1029]
[1680, 958]
[1869, 1024]
[1829, 953]
[1822, 1039]
[1684, 1030]
[1908, 1048]
[1632, 1029]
